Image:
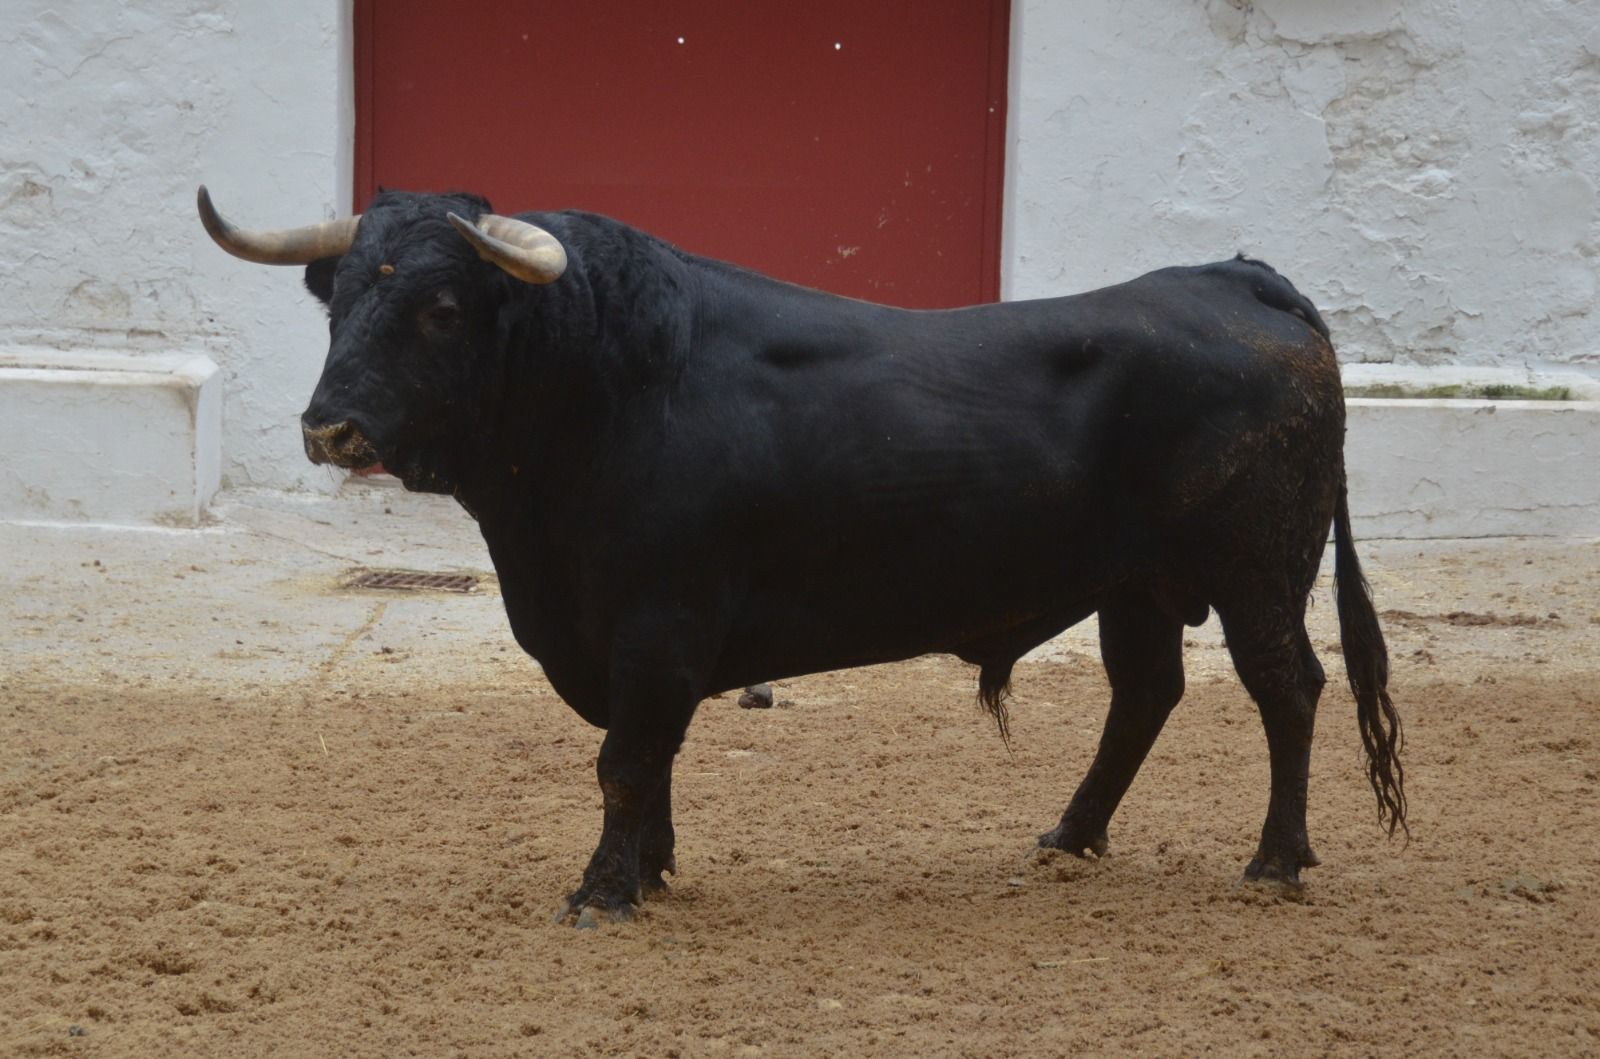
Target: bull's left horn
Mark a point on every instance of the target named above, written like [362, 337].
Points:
[286, 246]
[525, 250]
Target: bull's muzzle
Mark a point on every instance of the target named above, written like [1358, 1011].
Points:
[340, 444]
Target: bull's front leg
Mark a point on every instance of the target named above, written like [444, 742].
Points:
[656, 844]
[651, 706]
[632, 774]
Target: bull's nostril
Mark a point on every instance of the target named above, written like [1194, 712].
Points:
[331, 434]
[340, 443]
[323, 443]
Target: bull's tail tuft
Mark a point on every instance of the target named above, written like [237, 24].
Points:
[1366, 661]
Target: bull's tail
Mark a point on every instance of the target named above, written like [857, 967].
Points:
[1366, 660]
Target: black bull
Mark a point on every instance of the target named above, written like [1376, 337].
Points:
[691, 477]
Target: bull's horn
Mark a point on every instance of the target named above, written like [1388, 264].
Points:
[525, 250]
[288, 246]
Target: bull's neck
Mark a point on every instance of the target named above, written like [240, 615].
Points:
[582, 354]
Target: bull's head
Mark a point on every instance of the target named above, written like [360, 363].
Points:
[413, 324]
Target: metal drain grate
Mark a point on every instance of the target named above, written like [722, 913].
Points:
[411, 581]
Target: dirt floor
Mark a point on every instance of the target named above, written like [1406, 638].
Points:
[364, 861]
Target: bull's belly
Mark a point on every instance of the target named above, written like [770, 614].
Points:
[976, 605]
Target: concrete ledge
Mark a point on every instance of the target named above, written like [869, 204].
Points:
[1581, 386]
[108, 437]
[1447, 468]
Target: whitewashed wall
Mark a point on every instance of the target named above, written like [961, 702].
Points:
[112, 113]
[1424, 169]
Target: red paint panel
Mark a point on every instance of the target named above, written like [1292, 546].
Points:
[852, 145]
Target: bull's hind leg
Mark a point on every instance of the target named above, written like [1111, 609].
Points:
[1143, 652]
[1275, 662]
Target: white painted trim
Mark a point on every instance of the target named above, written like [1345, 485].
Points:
[1009, 195]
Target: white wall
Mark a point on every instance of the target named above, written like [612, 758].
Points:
[112, 114]
[1423, 169]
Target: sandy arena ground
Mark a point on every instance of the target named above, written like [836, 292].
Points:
[246, 812]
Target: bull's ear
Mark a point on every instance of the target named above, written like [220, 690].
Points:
[319, 278]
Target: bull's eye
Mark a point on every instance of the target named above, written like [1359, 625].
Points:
[441, 312]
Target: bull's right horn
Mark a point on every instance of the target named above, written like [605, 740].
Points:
[524, 250]
[287, 246]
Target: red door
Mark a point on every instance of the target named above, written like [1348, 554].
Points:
[852, 145]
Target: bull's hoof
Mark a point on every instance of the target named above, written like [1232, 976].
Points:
[589, 916]
[1076, 842]
[1281, 871]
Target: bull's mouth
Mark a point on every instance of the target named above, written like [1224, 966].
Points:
[343, 445]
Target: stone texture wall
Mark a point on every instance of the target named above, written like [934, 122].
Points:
[112, 114]
[1424, 169]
